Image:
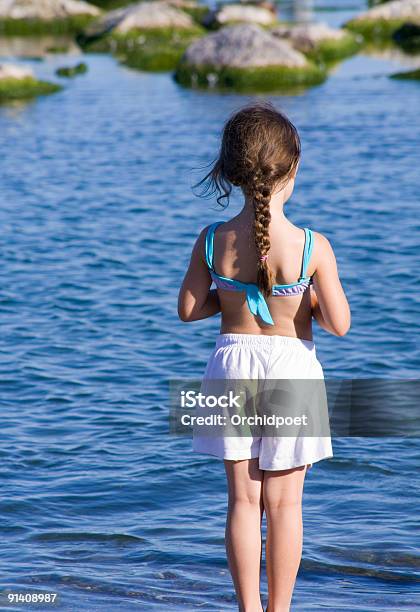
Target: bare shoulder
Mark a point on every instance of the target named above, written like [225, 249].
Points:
[323, 253]
[200, 242]
[322, 246]
[203, 233]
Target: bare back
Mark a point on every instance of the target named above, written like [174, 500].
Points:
[235, 257]
[234, 260]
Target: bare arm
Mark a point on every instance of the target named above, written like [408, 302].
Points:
[329, 303]
[196, 300]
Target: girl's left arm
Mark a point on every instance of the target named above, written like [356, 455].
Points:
[196, 301]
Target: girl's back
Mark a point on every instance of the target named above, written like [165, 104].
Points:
[235, 257]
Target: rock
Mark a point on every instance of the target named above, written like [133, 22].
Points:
[197, 11]
[408, 37]
[44, 16]
[102, 26]
[240, 13]
[147, 15]
[243, 46]
[267, 4]
[13, 71]
[19, 83]
[380, 22]
[45, 10]
[72, 71]
[243, 56]
[146, 35]
[396, 9]
[57, 49]
[142, 16]
[411, 75]
[306, 36]
[318, 40]
[35, 46]
[185, 4]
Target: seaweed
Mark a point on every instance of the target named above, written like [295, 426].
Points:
[22, 89]
[258, 79]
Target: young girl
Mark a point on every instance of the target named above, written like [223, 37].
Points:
[271, 279]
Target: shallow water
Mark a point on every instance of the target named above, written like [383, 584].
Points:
[98, 503]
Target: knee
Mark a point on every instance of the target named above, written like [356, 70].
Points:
[276, 505]
[245, 499]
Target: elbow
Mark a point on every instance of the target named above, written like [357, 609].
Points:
[342, 328]
[185, 318]
[341, 331]
[185, 315]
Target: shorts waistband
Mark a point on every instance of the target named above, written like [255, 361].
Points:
[264, 341]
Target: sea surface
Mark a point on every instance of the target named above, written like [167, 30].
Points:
[98, 503]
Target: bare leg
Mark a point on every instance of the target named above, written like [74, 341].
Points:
[243, 531]
[282, 495]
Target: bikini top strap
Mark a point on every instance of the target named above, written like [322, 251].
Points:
[307, 252]
[210, 243]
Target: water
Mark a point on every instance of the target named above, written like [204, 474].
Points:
[98, 503]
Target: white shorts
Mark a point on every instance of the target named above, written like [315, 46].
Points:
[251, 357]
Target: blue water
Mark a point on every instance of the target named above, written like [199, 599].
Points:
[97, 502]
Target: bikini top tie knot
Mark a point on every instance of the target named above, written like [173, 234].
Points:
[254, 297]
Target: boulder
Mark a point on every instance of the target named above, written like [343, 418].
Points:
[186, 5]
[148, 15]
[243, 46]
[318, 40]
[380, 22]
[240, 13]
[69, 72]
[13, 71]
[146, 35]
[396, 9]
[411, 75]
[36, 47]
[196, 10]
[45, 10]
[307, 36]
[141, 16]
[242, 57]
[45, 16]
[19, 83]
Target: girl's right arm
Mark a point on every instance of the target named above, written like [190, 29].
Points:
[330, 306]
[196, 300]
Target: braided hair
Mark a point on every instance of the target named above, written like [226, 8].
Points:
[260, 151]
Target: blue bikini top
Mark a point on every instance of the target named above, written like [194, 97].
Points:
[254, 297]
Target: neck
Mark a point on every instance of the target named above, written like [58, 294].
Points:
[277, 202]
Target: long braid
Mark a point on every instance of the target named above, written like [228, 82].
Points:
[261, 197]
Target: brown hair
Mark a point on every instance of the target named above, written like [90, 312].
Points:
[260, 150]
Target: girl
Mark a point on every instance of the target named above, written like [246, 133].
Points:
[271, 279]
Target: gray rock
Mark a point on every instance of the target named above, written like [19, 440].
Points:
[242, 13]
[147, 15]
[306, 37]
[397, 9]
[185, 4]
[13, 71]
[45, 10]
[243, 46]
[143, 15]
